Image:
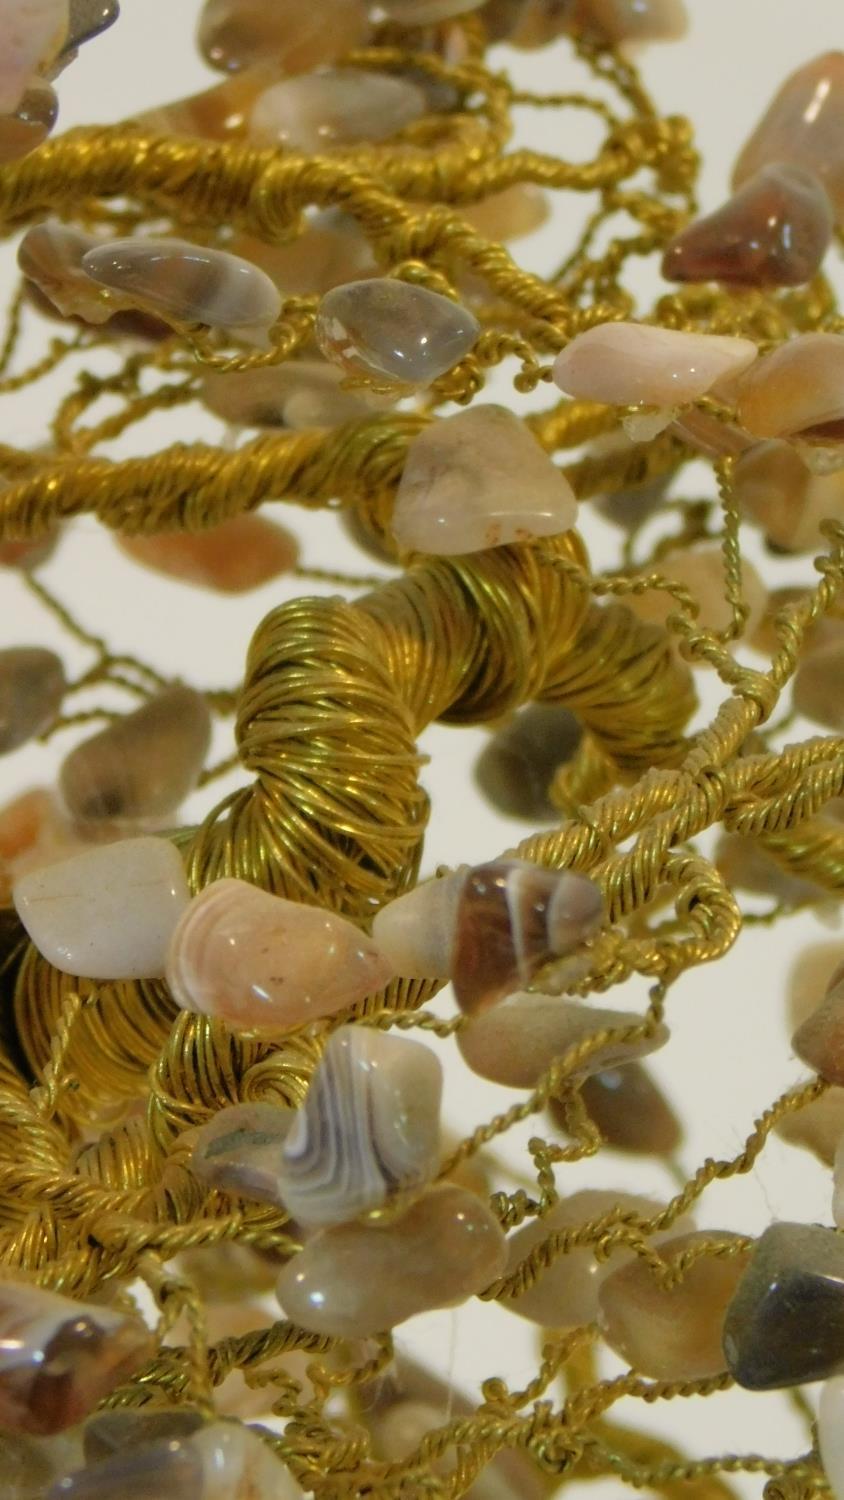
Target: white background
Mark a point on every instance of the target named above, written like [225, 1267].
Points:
[729, 1054]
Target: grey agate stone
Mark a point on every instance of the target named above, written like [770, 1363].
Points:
[785, 1324]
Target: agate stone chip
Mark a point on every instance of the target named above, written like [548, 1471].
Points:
[785, 1324]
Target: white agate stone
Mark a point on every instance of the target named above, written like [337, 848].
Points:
[336, 107]
[626, 364]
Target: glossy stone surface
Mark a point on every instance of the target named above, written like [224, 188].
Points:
[32, 33]
[479, 479]
[232, 558]
[107, 913]
[701, 571]
[424, 12]
[264, 964]
[394, 331]
[185, 282]
[672, 1333]
[515, 1042]
[32, 685]
[629, 1109]
[59, 1358]
[797, 390]
[88, 19]
[775, 489]
[819, 685]
[368, 1129]
[337, 107]
[516, 767]
[50, 255]
[785, 1324]
[357, 1279]
[516, 211]
[803, 126]
[30, 122]
[240, 1150]
[115, 1431]
[416, 931]
[220, 113]
[220, 1461]
[626, 364]
[773, 231]
[292, 36]
[819, 1040]
[633, 20]
[299, 394]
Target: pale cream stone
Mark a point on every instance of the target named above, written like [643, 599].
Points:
[330, 251]
[29, 124]
[416, 931]
[220, 1461]
[232, 558]
[626, 364]
[394, 331]
[516, 211]
[424, 12]
[622, 21]
[32, 33]
[107, 913]
[337, 107]
[803, 126]
[775, 489]
[700, 570]
[50, 255]
[797, 391]
[515, 1042]
[831, 1433]
[299, 394]
[291, 36]
[189, 283]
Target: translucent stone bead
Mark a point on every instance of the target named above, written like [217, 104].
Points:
[673, 1333]
[479, 479]
[425, 12]
[88, 19]
[818, 1127]
[107, 913]
[394, 331]
[797, 390]
[50, 255]
[701, 571]
[775, 489]
[785, 1324]
[774, 231]
[818, 684]
[516, 768]
[368, 1129]
[31, 35]
[489, 928]
[831, 1433]
[627, 364]
[142, 765]
[32, 685]
[30, 122]
[28, 554]
[819, 1040]
[220, 113]
[264, 964]
[516, 211]
[116, 1431]
[220, 1461]
[189, 283]
[299, 394]
[803, 126]
[515, 1042]
[337, 107]
[633, 20]
[330, 251]
[232, 558]
[59, 1358]
[292, 36]
[629, 1109]
[357, 1279]
[240, 1150]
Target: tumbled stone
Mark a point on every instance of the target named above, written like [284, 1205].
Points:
[28, 554]
[629, 1109]
[774, 231]
[330, 251]
[88, 19]
[476, 480]
[515, 1042]
[622, 21]
[357, 1279]
[393, 330]
[26, 126]
[228, 1271]
[32, 685]
[220, 113]
[809, 977]
[517, 765]
[264, 964]
[31, 36]
[30, 1464]
[673, 1333]
[796, 391]
[143, 764]
[240, 1150]
[510, 214]
[116, 1431]
[50, 256]
[818, 1126]
[700, 570]
[818, 684]
[819, 1040]
[627, 364]
[220, 1461]
[337, 107]
[775, 489]
[803, 126]
[185, 282]
[232, 558]
[292, 36]
[34, 831]
[299, 394]
[61, 1357]
[424, 12]
[785, 1324]
[107, 913]
[746, 865]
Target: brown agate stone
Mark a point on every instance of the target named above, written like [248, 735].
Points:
[775, 489]
[515, 1042]
[516, 211]
[819, 684]
[50, 256]
[32, 685]
[819, 1040]
[818, 1126]
[796, 391]
[26, 555]
[232, 558]
[30, 123]
[393, 330]
[515, 769]
[330, 251]
[633, 20]
[701, 572]
[774, 231]
[293, 36]
[803, 126]
[629, 1109]
[217, 114]
[785, 1324]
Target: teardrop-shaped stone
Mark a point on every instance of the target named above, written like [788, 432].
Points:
[479, 479]
[424, 12]
[785, 1324]
[797, 390]
[293, 36]
[629, 1109]
[32, 33]
[30, 122]
[626, 364]
[50, 255]
[515, 1042]
[189, 283]
[88, 19]
[775, 489]
[220, 1461]
[700, 570]
[368, 1129]
[240, 1150]
[819, 684]
[142, 765]
[232, 558]
[337, 107]
[264, 964]
[330, 251]
[819, 1040]
[393, 330]
[674, 1332]
[515, 769]
[803, 126]
[633, 20]
[357, 1279]
[32, 685]
[107, 913]
[831, 1433]
[61, 1357]
[818, 1126]
[299, 393]
[774, 231]
[516, 211]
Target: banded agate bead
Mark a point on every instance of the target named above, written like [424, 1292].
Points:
[218, 1461]
[479, 479]
[264, 964]
[785, 1324]
[516, 767]
[59, 1358]
[626, 364]
[796, 391]
[803, 126]
[337, 107]
[234, 557]
[488, 929]
[299, 393]
[358, 1279]
[291, 36]
[31, 36]
[240, 1150]
[50, 256]
[30, 122]
[142, 765]
[32, 685]
[188, 283]
[774, 488]
[515, 1042]
[394, 331]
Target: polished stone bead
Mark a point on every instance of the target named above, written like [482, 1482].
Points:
[28, 554]
[774, 231]
[88, 19]
[240, 1150]
[394, 331]
[673, 1333]
[220, 113]
[59, 1358]
[291, 36]
[785, 1324]
[116, 1431]
[337, 107]
[50, 256]
[476, 480]
[819, 1039]
[622, 21]
[831, 1433]
[108, 912]
[425, 12]
[629, 1109]
[516, 767]
[701, 571]
[357, 1279]
[32, 685]
[627, 364]
[143, 764]
[330, 251]
[220, 1461]
[264, 964]
[775, 489]
[299, 394]
[31, 36]
[818, 1127]
[819, 684]
[796, 391]
[185, 282]
[803, 126]
[515, 1042]
[516, 211]
[231, 558]
[26, 126]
